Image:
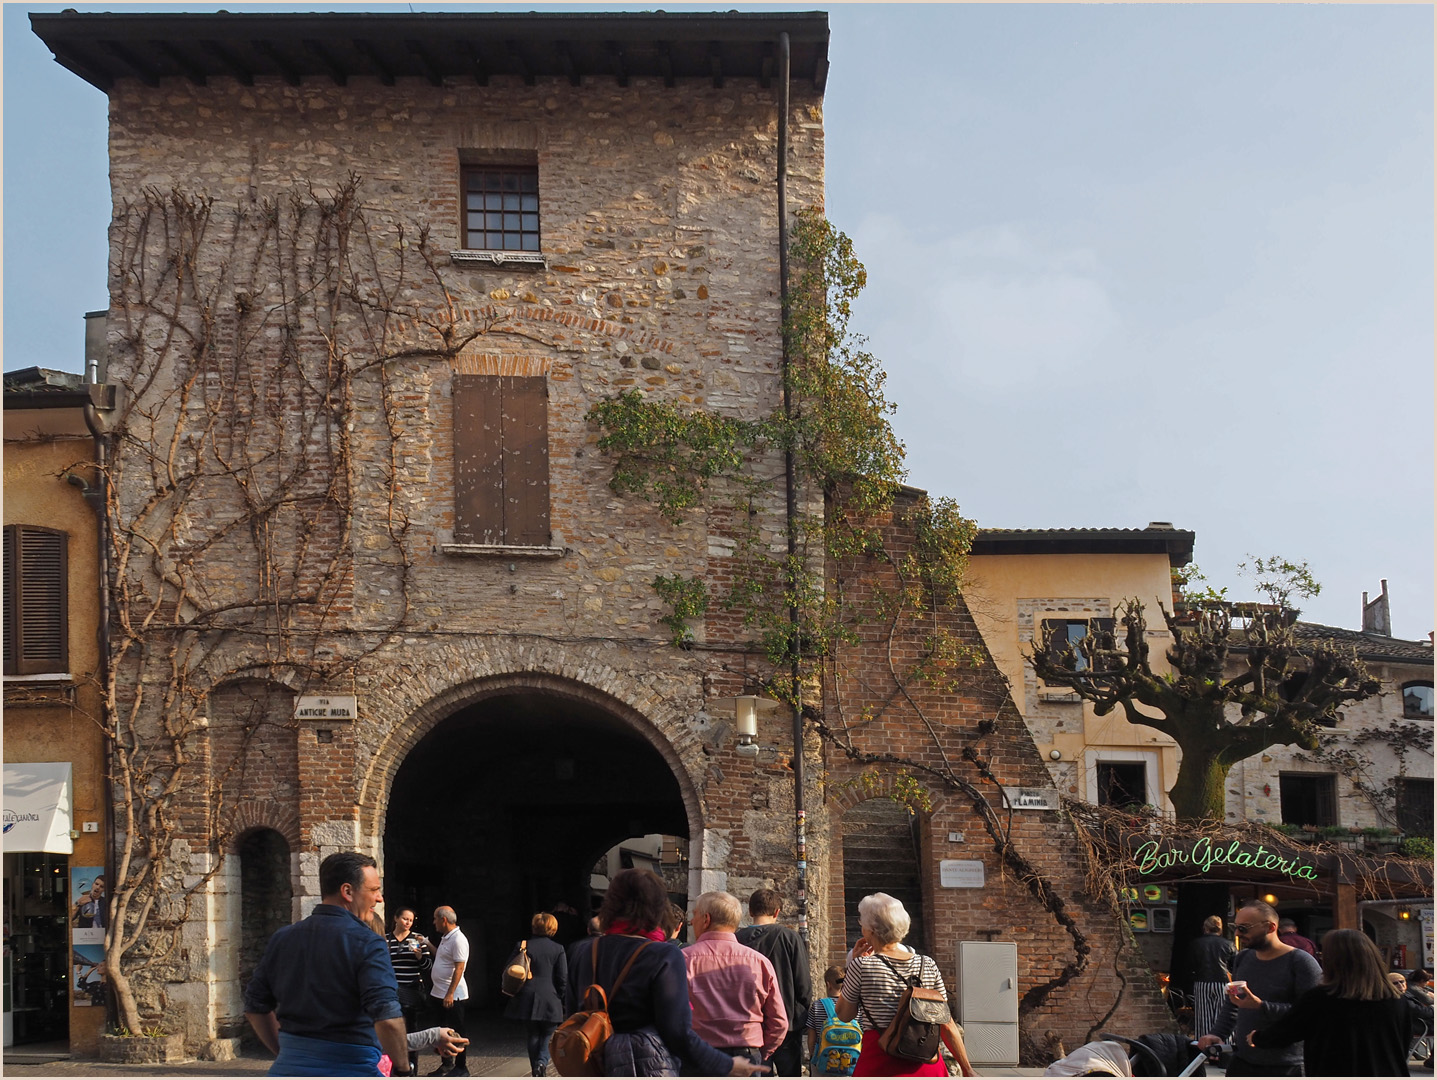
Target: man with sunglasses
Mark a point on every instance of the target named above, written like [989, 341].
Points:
[1276, 975]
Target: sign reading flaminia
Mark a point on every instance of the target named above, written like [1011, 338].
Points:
[1204, 854]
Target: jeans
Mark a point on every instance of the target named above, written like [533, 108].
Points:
[538, 1032]
[787, 1060]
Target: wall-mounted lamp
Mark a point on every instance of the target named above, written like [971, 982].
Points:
[1404, 913]
[1056, 755]
[746, 708]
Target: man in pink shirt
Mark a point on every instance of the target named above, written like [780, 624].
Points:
[738, 1007]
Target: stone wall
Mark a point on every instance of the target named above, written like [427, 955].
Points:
[659, 224]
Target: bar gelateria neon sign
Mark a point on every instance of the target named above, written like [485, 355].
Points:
[1204, 854]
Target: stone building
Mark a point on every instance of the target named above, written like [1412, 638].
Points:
[56, 808]
[369, 275]
[1369, 785]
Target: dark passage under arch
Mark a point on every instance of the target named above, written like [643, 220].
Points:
[503, 808]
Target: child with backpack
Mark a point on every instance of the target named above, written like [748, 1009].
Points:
[833, 1044]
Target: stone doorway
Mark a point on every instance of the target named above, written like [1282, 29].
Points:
[502, 809]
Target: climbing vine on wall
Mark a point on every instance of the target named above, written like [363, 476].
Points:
[247, 341]
[805, 608]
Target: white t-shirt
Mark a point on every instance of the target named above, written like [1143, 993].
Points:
[453, 948]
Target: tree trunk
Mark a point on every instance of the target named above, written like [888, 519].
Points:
[125, 1005]
[1200, 791]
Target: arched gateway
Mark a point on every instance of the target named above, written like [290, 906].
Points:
[504, 795]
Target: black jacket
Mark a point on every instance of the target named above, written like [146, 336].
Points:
[1211, 958]
[789, 956]
[542, 997]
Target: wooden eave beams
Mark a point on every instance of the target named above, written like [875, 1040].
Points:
[142, 71]
[716, 64]
[335, 69]
[571, 69]
[286, 68]
[192, 71]
[666, 63]
[765, 73]
[519, 62]
[477, 66]
[366, 49]
[431, 69]
[616, 56]
[242, 74]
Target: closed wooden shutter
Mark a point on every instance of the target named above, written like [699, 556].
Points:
[501, 460]
[526, 460]
[36, 601]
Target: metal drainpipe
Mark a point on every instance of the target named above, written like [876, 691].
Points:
[799, 814]
[98, 498]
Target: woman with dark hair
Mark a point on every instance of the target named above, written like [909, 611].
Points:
[411, 956]
[1353, 1022]
[540, 1001]
[653, 1022]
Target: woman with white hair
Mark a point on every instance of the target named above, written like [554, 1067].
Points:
[878, 973]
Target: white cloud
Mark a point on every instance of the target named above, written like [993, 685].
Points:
[996, 307]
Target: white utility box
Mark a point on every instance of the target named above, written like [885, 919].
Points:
[987, 1001]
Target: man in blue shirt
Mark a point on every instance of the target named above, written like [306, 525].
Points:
[324, 998]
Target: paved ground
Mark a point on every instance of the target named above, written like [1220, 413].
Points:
[497, 1049]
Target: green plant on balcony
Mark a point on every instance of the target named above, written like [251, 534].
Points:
[1416, 847]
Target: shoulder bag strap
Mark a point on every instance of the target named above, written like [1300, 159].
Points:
[906, 980]
[828, 1011]
[620, 980]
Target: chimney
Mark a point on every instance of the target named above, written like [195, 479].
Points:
[1377, 616]
[95, 345]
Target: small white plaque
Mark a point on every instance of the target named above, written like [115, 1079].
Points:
[326, 707]
[960, 873]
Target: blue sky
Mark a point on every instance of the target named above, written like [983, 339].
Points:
[1127, 263]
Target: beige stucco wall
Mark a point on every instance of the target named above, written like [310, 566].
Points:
[1010, 595]
[40, 724]
[1372, 747]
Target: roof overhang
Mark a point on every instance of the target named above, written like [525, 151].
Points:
[103, 48]
[36, 814]
[1176, 544]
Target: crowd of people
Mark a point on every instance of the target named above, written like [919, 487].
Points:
[334, 995]
[1290, 1007]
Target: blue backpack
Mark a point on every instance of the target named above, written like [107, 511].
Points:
[836, 1052]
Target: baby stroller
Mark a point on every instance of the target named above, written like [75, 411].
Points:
[1147, 1055]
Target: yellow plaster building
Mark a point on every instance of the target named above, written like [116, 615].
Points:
[56, 823]
[1075, 579]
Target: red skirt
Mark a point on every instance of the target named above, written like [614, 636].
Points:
[873, 1060]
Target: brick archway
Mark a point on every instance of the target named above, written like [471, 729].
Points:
[667, 735]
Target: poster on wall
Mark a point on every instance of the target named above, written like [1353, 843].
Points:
[88, 965]
[88, 910]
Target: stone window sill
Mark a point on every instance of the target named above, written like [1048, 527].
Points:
[504, 551]
[519, 260]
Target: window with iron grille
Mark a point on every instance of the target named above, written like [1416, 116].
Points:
[501, 207]
[36, 601]
[501, 460]
[1308, 798]
[1414, 806]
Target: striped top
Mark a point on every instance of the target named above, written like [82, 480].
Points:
[872, 985]
[409, 965]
